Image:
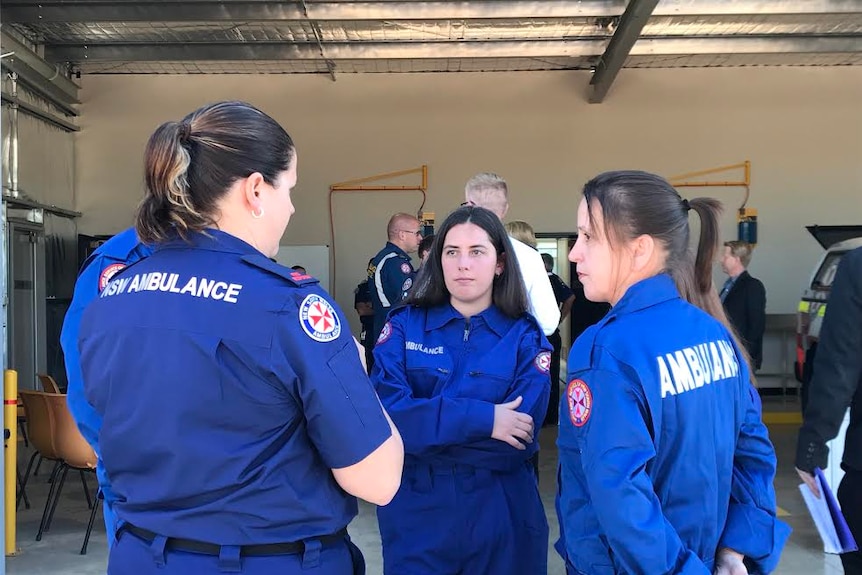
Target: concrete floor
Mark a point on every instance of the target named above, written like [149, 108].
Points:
[57, 553]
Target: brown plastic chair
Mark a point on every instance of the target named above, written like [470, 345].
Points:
[41, 432]
[48, 383]
[75, 453]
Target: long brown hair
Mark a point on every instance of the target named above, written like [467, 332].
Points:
[636, 203]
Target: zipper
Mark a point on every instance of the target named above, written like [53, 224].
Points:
[467, 330]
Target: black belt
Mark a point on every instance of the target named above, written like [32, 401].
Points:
[192, 546]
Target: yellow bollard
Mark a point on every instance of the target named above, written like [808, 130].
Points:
[10, 416]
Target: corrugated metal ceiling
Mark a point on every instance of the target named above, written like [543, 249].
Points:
[370, 37]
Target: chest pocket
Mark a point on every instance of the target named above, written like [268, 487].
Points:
[487, 379]
[428, 374]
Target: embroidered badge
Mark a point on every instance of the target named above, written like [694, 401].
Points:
[580, 402]
[543, 362]
[108, 273]
[319, 319]
[405, 267]
[408, 283]
[384, 333]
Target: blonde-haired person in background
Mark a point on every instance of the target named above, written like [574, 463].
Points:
[522, 231]
[215, 372]
[491, 192]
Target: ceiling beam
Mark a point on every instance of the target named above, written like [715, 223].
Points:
[627, 33]
[84, 11]
[42, 77]
[263, 51]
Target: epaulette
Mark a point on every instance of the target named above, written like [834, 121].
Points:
[296, 278]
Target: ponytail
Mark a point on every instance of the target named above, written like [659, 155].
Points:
[704, 294]
[190, 165]
[168, 207]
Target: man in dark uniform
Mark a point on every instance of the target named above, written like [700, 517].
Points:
[390, 272]
[836, 384]
[565, 298]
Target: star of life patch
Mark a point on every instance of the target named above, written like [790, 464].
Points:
[579, 398]
[108, 273]
[319, 319]
[405, 267]
[543, 362]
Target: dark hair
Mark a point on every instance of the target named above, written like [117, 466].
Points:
[189, 165]
[548, 260]
[509, 294]
[638, 203]
[425, 244]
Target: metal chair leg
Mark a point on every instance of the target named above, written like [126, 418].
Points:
[57, 495]
[26, 477]
[54, 484]
[38, 465]
[96, 503]
[22, 493]
[86, 489]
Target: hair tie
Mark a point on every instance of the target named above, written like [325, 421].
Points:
[185, 132]
[685, 205]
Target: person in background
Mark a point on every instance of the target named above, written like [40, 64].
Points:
[120, 251]
[835, 386]
[565, 298]
[424, 248]
[523, 232]
[299, 269]
[744, 299]
[491, 192]
[665, 464]
[365, 310]
[214, 372]
[390, 272]
[463, 370]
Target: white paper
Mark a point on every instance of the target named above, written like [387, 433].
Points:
[822, 518]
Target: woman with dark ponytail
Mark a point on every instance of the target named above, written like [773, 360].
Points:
[239, 425]
[665, 465]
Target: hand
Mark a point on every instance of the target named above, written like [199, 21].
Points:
[511, 426]
[810, 481]
[729, 562]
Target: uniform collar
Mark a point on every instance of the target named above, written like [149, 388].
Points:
[646, 293]
[213, 240]
[396, 249]
[440, 315]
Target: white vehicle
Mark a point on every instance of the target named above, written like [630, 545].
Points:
[837, 240]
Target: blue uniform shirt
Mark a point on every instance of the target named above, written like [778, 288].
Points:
[229, 387]
[390, 277]
[663, 455]
[115, 254]
[439, 376]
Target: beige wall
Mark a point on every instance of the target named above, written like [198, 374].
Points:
[800, 127]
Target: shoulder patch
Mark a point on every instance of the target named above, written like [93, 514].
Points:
[406, 268]
[318, 318]
[579, 399]
[543, 362]
[385, 333]
[294, 277]
[408, 283]
[109, 272]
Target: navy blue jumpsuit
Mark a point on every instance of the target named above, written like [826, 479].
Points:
[664, 459]
[468, 503]
[115, 254]
[229, 386]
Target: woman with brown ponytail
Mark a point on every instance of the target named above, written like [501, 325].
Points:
[239, 425]
[665, 465]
